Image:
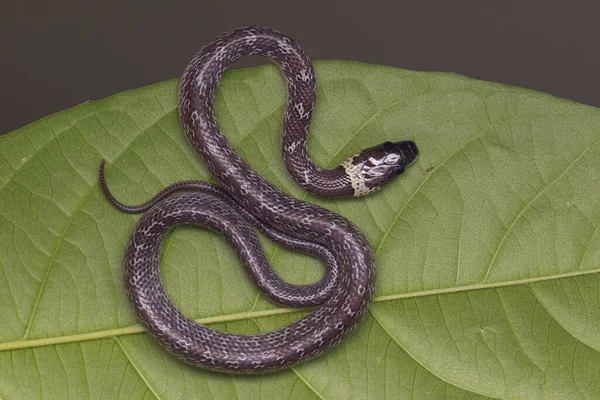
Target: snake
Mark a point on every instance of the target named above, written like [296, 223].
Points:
[244, 200]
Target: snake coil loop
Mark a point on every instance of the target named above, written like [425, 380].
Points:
[346, 290]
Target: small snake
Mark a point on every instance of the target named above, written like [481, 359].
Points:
[346, 289]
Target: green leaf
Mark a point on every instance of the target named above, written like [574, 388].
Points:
[488, 247]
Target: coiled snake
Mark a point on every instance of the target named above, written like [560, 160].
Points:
[346, 290]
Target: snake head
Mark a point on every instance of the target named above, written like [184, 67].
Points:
[372, 168]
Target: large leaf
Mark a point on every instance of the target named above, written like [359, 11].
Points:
[487, 248]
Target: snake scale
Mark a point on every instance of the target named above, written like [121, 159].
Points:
[244, 198]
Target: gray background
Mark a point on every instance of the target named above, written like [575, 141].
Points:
[54, 55]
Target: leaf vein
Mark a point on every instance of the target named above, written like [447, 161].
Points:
[135, 367]
[489, 269]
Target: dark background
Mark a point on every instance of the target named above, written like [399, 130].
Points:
[54, 55]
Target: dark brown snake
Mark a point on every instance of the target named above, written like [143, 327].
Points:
[346, 289]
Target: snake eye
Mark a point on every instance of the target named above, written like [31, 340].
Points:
[392, 158]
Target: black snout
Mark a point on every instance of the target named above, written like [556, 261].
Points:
[408, 149]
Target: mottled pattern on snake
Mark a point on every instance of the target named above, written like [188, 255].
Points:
[344, 299]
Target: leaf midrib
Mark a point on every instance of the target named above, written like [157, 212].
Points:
[135, 329]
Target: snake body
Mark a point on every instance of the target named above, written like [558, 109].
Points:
[346, 290]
